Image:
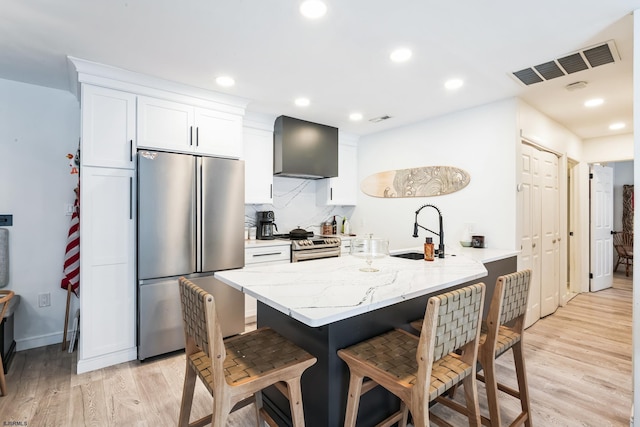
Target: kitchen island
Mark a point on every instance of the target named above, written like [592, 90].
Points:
[328, 304]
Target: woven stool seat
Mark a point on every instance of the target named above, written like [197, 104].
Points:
[251, 356]
[236, 370]
[409, 366]
[507, 338]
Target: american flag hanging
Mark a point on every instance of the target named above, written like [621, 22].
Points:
[72, 255]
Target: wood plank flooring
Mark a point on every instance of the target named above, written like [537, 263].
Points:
[578, 365]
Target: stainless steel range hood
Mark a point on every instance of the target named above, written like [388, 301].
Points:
[304, 149]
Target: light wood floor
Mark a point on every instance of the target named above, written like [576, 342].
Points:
[578, 363]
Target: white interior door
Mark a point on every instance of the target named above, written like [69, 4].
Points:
[601, 228]
[530, 243]
[550, 227]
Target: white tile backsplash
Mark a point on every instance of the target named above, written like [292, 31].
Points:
[294, 205]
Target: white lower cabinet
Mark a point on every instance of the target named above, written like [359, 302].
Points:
[260, 256]
[107, 276]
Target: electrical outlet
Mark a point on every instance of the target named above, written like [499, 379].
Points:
[44, 300]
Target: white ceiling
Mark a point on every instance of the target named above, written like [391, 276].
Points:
[340, 62]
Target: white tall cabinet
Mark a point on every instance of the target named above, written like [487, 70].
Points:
[115, 114]
[107, 227]
[258, 158]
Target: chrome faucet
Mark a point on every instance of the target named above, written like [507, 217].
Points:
[440, 234]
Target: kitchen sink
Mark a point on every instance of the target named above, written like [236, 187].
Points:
[409, 255]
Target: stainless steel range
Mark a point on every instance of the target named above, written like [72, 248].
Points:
[305, 246]
[315, 248]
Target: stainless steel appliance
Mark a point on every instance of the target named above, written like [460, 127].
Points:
[314, 248]
[265, 225]
[190, 223]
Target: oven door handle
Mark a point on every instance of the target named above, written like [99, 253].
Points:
[309, 254]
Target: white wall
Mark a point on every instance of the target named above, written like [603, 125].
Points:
[479, 140]
[608, 149]
[38, 127]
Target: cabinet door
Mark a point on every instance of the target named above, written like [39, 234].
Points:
[108, 127]
[218, 133]
[258, 161]
[343, 189]
[107, 259]
[165, 125]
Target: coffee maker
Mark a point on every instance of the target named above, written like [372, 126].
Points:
[265, 225]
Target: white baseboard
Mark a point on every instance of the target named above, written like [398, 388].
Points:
[40, 341]
[99, 362]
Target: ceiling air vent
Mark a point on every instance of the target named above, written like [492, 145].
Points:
[379, 119]
[578, 61]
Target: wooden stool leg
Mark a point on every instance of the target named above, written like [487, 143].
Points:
[187, 397]
[66, 319]
[471, 397]
[491, 385]
[295, 402]
[258, 404]
[221, 411]
[353, 399]
[3, 382]
[523, 388]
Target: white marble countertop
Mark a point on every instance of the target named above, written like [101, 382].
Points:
[483, 255]
[323, 291]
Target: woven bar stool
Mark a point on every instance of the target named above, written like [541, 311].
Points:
[235, 370]
[410, 367]
[502, 331]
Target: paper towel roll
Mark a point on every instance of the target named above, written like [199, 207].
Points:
[4, 257]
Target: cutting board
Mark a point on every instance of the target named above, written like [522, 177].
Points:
[422, 181]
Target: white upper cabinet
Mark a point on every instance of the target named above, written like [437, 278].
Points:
[164, 125]
[173, 126]
[343, 189]
[258, 158]
[108, 128]
[218, 133]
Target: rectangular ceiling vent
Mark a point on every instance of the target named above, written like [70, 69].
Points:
[379, 119]
[578, 61]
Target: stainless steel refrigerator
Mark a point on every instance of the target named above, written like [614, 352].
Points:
[190, 223]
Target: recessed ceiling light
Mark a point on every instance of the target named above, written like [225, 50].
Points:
[401, 55]
[225, 81]
[617, 126]
[593, 102]
[302, 102]
[355, 116]
[313, 9]
[453, 84]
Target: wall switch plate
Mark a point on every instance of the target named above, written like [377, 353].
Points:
[6, 220]
[44, 300]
